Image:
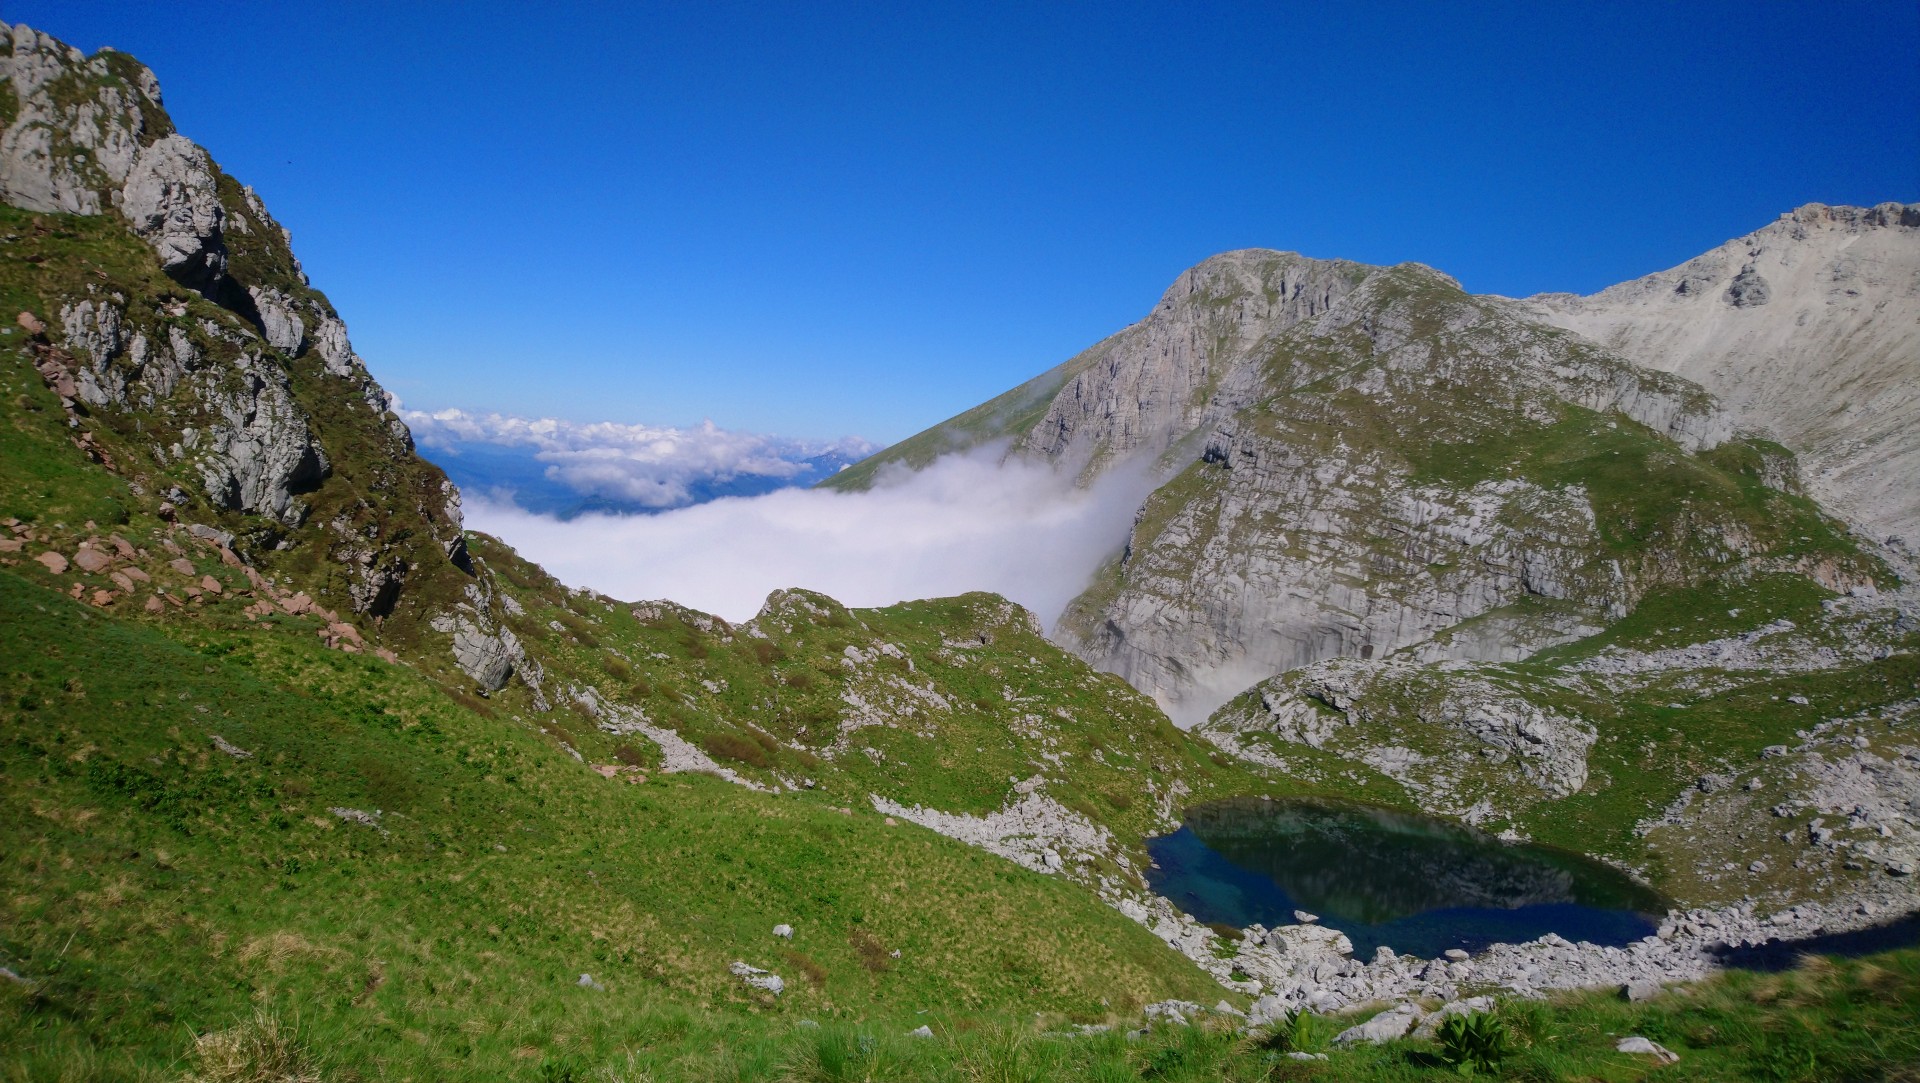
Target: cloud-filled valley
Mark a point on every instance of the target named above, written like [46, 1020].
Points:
[968, 522]
[565, 468]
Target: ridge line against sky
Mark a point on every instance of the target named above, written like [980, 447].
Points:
[864, 219]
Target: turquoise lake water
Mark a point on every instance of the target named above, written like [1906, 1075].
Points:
[1416, 884]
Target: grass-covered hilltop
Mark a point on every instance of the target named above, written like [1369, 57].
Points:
[302, 781]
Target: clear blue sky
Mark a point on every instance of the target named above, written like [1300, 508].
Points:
[828, 219]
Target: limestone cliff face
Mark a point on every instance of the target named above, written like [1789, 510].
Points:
[1363, 461]
[1190, 360]
[1386, 474]
[1809, 329]
[195, 358]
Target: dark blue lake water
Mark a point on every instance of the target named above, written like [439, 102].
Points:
[1413, 883]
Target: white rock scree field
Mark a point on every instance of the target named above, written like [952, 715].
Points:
[1589, 625]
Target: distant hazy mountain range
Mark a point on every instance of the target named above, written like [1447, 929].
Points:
[563, 468]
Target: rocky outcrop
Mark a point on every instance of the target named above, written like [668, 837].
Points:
[1462, 742]
[170, 202]
[79, 123]
[89, 137]
[1808, 328]
[241, 429]
[1156, 382]
[215, 384]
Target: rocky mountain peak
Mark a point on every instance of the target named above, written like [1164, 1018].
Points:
[1154, 384]
[1809, 329]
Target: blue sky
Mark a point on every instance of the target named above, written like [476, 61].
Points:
[830, 219]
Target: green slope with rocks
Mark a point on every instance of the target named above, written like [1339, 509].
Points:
[306, 781]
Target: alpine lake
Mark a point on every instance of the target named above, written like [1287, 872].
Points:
[1416, 884]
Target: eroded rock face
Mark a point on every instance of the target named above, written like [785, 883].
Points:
[1152, 384]
[1808, 328]
[279, 319]
[251, 443]
[170, 202]
[74, 138]
[1324, 518]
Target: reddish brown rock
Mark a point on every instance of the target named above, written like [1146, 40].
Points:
[104, 597]
[123, 546]
[92, 561]
[11, 545]
[138, 575]
[30, 323]
[181, 565]
[211, 585]
[297, 604]
[55, 563]
[154, 604]
[123, 581]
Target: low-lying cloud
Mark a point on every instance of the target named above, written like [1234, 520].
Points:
[967, 522]
[564, 468]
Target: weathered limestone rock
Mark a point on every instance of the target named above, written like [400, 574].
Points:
[756, 978]
[1804, 328]
[284, 329]
[1389, 1025]
[260, 449]
[1408, 721]
[1305, 533]
[75, 135]
[486, 654]
[170, 201]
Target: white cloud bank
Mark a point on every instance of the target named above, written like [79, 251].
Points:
[549, 462]
[967, 522]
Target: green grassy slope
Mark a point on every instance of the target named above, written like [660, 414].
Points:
[159, 885]
[1002, 419]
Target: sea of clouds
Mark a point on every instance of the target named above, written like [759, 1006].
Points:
[564, 468]
[973, 521]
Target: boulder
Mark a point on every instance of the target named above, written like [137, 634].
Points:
[1307, 943]
[757, 978]
[92, 561]
[1637, 991]
[1647, 1047]
[1393, 1023]
[1469, 1006]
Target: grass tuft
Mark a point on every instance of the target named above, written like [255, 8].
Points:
[261, 1050]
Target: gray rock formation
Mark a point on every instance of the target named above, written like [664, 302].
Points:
[170, 202]
[1187, 363]
[1808, 328]
[76, 134]
[211, 377]
[245, 435]
[1324, 518]
[1465, 743]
